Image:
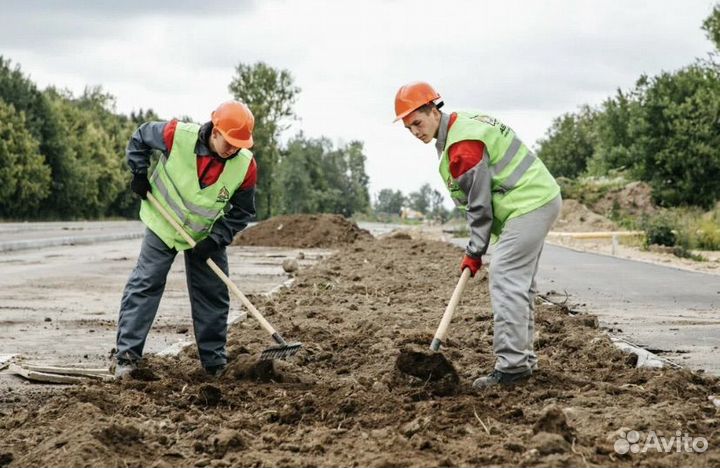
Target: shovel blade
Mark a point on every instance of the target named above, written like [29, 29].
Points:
[425, 365]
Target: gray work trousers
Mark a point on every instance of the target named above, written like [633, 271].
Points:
[209, 301]
[513, 268]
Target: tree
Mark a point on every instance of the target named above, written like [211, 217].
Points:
[43, 124]
[711, 25]
[389, 201]
[315, 177]
[357, 188]
[24, 176]
[437, 207]
[270, 94]
[676, 136]
[665, 132]
[93, 171]
[421, 199]
[612, 143]
[298, 196]
[297, 172]
[568, 144]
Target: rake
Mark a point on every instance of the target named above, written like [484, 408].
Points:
[282, 349]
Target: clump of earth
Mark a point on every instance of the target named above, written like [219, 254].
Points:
[303, 231]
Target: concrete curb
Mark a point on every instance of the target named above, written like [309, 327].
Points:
[69, 240]
[645, 359]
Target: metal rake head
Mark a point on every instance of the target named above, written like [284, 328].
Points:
[280, 351]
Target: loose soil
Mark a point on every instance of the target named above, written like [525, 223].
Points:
[576, 217]
[342, 401]
[302, 231]
[634, 199]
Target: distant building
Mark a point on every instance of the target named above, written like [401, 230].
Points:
[409, 213]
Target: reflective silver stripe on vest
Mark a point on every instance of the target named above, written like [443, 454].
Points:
[517, 173]
[199, 210]
[199, 228]
[507, 157]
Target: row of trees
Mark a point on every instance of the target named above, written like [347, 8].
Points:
[426, 200]
[307, 175]
[665, 131]
[63, 157]
[60, 155]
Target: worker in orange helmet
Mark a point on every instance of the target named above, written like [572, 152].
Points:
[206, 179]
[506, 192]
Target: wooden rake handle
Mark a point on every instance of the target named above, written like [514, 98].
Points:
[449, 311]
[231, 286]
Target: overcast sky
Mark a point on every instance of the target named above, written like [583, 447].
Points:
[524, 62]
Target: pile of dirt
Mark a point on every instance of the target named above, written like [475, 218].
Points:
[576, 217]
[302, 231]
[635, 199]
[342, 401]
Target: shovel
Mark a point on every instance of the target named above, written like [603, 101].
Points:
[279, 351]
[434, 366]
[449, 311]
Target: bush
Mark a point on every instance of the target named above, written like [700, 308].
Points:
[588, 190]
[683, 229]
[708, 235]
[660, 230]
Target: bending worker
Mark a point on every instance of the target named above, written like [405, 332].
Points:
[506, 191]
[206, 179]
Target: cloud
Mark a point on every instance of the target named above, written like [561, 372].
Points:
[63, 26]
[524, 62]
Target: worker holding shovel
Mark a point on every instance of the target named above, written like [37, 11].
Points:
[507, 192]
[206, 176]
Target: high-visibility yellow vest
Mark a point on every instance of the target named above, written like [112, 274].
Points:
[176, 186]
[520, 181]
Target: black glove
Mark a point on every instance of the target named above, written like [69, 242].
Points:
[140, 185]
[205, 248]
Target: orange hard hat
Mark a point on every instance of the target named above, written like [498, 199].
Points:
[412, 96]
[235, 122]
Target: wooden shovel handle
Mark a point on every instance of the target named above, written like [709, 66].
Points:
[231, 286]
[449, 311]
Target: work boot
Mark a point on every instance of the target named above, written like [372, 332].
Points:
[123, 368]
[497, 377]
[215, 371]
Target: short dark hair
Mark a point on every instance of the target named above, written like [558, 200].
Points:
[427, 108]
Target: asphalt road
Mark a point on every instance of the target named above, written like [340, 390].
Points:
[674, 313]
[24, 236]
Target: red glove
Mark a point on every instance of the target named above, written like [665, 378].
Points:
[474, 264]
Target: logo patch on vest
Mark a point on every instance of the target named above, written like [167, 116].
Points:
[486, 119]
[223, 196]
